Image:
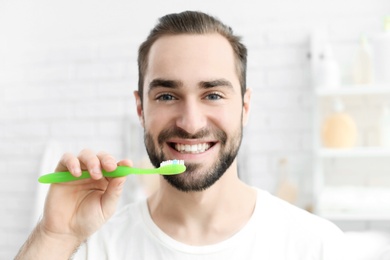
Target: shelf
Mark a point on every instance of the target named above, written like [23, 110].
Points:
[354, 152]
[353, 90]
[347, 203]
[356, 217]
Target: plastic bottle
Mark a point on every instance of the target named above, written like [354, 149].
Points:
[327, 73]
[362, 67]
[339, 129]
[381, 54]
[287, 189]
[385, 127]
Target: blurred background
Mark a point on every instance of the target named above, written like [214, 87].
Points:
[319, 130]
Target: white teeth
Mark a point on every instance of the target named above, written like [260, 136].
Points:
[197, 148]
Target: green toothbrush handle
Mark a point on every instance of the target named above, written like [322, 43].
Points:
[58, 177]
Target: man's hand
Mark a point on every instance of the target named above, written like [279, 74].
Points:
[75, 210]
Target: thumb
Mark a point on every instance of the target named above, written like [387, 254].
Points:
[126, 162]
[110, 198]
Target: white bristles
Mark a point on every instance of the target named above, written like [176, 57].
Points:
[170, 162]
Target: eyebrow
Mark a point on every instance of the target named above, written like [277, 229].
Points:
[216, 83]
[164, 83]
[177, 84]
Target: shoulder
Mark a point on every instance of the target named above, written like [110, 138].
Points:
[290, 218]
[300, 230]
[286, 212]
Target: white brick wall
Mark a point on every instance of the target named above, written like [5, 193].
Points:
[67, 73]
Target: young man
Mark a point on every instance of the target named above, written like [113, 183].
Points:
[192, 102]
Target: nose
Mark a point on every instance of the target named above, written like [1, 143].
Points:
[192, 117]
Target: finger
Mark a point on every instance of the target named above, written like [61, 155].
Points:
[69, 162]
[107, 161]
[126, 162]
[92, 163]
[111, 196]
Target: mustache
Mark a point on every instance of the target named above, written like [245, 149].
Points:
[180, 133]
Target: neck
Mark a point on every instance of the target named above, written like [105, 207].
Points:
[207, 216]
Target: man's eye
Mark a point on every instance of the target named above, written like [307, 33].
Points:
[213, 96]
[165, 97]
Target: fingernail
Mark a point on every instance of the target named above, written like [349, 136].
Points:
[96, 172]
[76, 171]
[111, 165]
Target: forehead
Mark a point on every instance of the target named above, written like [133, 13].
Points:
[191, 58]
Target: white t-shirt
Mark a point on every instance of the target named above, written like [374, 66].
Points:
[276, 230]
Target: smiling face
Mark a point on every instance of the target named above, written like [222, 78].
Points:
[192, 107]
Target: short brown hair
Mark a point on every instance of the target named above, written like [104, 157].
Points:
[191, 22]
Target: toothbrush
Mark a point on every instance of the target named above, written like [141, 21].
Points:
[170, 167]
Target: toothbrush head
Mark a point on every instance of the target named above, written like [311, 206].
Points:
[171, 167]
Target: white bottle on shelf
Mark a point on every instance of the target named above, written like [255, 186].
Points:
[327, 71]
[381, 55]
[385, 127]
[362, 73]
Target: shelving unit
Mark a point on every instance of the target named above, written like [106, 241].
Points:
[324, 157]
[352, 90]
[357, 152]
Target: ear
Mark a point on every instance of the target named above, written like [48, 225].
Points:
[246, 106]
[139, 108]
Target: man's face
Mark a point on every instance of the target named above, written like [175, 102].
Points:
[192, 107]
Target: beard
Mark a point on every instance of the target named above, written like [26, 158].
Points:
[194, 178]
